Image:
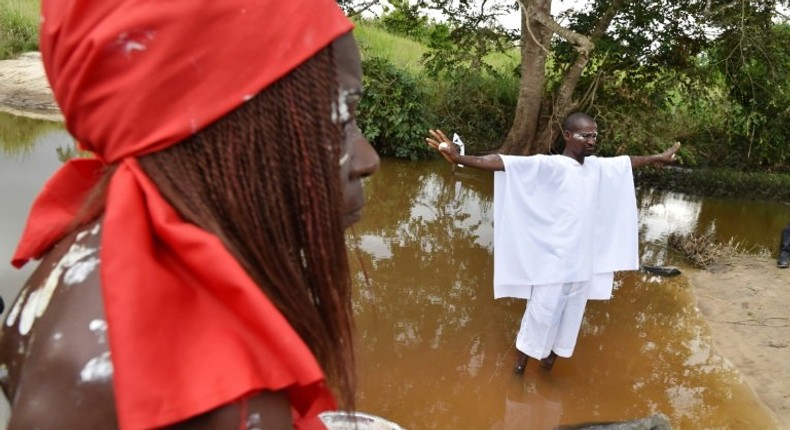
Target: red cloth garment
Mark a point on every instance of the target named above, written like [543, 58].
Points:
[188, 329]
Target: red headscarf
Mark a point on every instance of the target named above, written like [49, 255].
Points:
[188, 329]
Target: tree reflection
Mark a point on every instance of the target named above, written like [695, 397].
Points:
[19, 134]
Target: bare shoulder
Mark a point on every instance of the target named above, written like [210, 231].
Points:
[54, 352]
[55, 364]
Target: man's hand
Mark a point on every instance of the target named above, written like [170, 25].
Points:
[668, 156]
[445, 146]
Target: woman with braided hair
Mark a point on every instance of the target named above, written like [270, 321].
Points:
[193, 273]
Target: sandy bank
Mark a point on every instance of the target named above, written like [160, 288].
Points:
[24, 89]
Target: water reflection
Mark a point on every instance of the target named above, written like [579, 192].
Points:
[436, 348]
[18, 135]
[29, 157]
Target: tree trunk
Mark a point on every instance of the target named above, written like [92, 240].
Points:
[535, 42]
[538, 120]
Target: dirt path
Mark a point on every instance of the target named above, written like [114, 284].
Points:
[24, 90]
[745, 300]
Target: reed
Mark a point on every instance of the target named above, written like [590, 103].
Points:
[18, 27]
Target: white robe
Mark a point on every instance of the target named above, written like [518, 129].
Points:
[557, 221]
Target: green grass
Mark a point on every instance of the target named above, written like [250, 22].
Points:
[18, 27]
[407, 53]
[404, 52]
[504, 62]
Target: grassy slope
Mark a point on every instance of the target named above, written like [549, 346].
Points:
[18, 27]
[407, 53]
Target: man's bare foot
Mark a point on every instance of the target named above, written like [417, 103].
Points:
[548, 362]
[521, 363]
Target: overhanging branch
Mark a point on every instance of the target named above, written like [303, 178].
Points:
[582, 42]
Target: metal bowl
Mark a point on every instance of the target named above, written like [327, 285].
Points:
[356, 421]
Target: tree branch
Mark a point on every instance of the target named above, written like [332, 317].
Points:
[582, 42]
[364, 7]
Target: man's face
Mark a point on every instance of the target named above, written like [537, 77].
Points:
[358, 159]
[582, 137]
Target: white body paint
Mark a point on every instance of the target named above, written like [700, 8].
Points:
[99, 327]
[38, 301]
[98, 369]
[80, 271]
[14, 312]
[254, 422]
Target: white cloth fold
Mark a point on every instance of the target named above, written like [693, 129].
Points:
[557, 221]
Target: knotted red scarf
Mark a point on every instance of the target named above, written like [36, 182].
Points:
[188, 329]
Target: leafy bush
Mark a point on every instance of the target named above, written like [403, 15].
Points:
[479, 106]
[393, 115]
[717, 182]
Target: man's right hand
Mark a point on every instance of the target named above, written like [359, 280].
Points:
[445, 146]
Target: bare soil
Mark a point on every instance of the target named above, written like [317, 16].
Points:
[746, 302]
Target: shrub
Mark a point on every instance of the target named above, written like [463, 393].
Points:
[479, 106]
[393, 114]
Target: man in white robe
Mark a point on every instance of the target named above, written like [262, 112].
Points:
[563, 224]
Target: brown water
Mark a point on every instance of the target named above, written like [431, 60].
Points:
[436, 349]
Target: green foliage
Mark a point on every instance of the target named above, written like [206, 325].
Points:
[477, 106]
[393, 113]
[718, 182]
[753, 66]
[405, 19]
[18, 28]
[469, 36]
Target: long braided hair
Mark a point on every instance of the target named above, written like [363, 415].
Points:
[265, 179]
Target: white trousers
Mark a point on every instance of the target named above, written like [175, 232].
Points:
[553, 319]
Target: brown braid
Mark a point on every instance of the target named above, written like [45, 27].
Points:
[265, 180]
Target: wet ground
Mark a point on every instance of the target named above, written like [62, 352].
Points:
[435, 348]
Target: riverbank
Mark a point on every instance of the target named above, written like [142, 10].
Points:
[745, 301]
[24, 90]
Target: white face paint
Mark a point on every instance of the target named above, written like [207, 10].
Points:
[340, 111]
[254, 422]
[98, 369]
